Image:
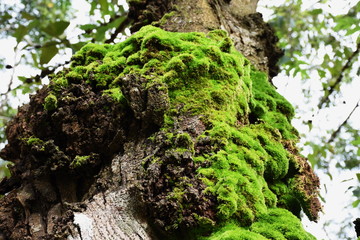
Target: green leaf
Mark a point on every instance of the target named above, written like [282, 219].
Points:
[356, 203]
[316, 11]
[35, 60]
[48, 51]
[86, 27]
[356, 142]
[330, 176]
[27, 16]
[100, 33]
[358, 176]
[55, 29]
[93, 7]
[4, 17]
[321, 73]
[344, 23]
[20, 32]
[104, 7]
[77, 46]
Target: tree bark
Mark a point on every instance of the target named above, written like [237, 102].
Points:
[251, 35]
[87, 166]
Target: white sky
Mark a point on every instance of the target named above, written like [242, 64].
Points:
[291, 88]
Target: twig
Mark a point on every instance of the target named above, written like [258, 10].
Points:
[335, 133]
[119, 29]
[347, 65]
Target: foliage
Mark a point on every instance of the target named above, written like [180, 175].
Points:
[321, 46]
[39, 28]
[322, 49]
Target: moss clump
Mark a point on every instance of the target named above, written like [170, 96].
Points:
[50, 102]
[79, 161]
[34, 141]
[224, 132]
[115, 93]
[277, 223]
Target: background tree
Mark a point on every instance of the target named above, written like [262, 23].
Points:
[112, 21]
[323, 54]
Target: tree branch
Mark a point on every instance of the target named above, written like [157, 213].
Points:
[336, 133]
[119, 29]
[347, 65]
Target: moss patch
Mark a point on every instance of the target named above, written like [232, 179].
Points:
[221, 161]
[278, 224]
[247, 123]
[50, 102]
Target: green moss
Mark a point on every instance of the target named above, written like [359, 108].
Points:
[79, 161]
[74, 77]
[164, 18]
[271, 107]
[280, 224]
[248, 169]
[34, 141]
[50, 102]
[233, 232]
[277, 224]
[115, 93]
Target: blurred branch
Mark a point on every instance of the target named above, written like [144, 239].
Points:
[347, 65]
[11, 78]
[5, 118]
[119, 29]
[336, 133]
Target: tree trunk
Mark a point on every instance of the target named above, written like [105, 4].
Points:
[168, 135]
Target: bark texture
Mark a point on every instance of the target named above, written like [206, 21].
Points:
[251, 35]
[138, 140]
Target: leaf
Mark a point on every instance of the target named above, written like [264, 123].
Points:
[330, 176]
[344, 23]
[20, 33]
[4, 17]
[347, 180]
[316, 11]
[35, 60]
[356, 142]
[93, 7]
[100, 33]
[86, 27]
[27, 16]
[104, 7]
[48, 51]
[356, 203]
[22, 78]
[77, 46]
[352, 31]
[55, 29]
[321, 73]
[358, 176]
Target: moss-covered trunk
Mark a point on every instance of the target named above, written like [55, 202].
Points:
[175, 133]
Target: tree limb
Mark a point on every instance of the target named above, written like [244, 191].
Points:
[347, 65]
[336, 133]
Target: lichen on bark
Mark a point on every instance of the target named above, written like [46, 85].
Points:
[218, 158]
